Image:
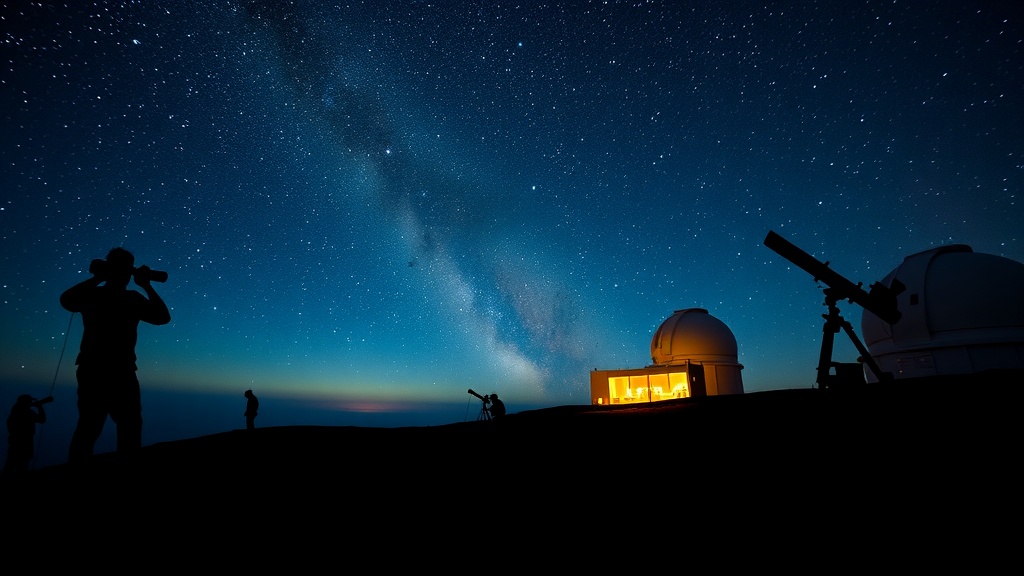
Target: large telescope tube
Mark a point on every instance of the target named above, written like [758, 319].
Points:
[881, 301]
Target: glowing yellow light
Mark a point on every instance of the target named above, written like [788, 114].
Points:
[646, 388]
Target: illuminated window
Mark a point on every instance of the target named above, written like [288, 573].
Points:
[647, 388]
[680, 384]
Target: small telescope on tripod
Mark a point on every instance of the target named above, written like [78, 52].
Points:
[485, 412]
[880, 301]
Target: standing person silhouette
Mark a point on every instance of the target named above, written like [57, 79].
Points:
[252, 406]
[21, 432]
[108, 384]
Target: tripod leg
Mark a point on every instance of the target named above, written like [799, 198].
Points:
[865, 355]
[827, 340]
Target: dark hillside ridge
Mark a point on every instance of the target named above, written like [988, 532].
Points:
[910, 455]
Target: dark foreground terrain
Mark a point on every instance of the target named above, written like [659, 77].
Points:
[924, 470]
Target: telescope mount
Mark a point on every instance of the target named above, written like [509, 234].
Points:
[846, 373]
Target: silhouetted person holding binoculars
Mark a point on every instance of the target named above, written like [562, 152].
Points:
[107, 381]
[21, 432]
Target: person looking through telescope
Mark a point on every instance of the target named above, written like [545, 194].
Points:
[108, 383]
[497, 407]
[493, 408]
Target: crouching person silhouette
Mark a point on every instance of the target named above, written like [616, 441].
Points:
[21, 432]
[108, 384]
[497, 408]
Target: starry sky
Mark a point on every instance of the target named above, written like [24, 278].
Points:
[367, 208]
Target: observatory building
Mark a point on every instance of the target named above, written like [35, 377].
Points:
[693, 354]
[962, 313]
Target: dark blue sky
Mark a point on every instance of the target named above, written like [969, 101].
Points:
[371, 207]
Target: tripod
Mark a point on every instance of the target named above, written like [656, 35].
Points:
[485, 413]
[833, 322]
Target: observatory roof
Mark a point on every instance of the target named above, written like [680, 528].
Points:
[954, 296]
[693, 334]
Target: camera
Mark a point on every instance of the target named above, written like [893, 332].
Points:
[42, 401]
[99, 267]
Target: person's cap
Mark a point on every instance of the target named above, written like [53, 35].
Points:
[25, 399]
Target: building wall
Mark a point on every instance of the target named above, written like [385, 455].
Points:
[702, 380]
[727, 379]
[966, 359]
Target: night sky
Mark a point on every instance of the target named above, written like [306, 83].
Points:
[367, 208]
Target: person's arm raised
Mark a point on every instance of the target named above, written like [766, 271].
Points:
[157, 312]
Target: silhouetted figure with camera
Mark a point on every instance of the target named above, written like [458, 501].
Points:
[252, 406]
[497, 407]
[108, 383]
[21, 433]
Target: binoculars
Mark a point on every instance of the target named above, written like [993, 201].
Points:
[99, 268]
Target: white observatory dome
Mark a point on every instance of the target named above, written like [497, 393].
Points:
[693, 335]
[962, 313]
